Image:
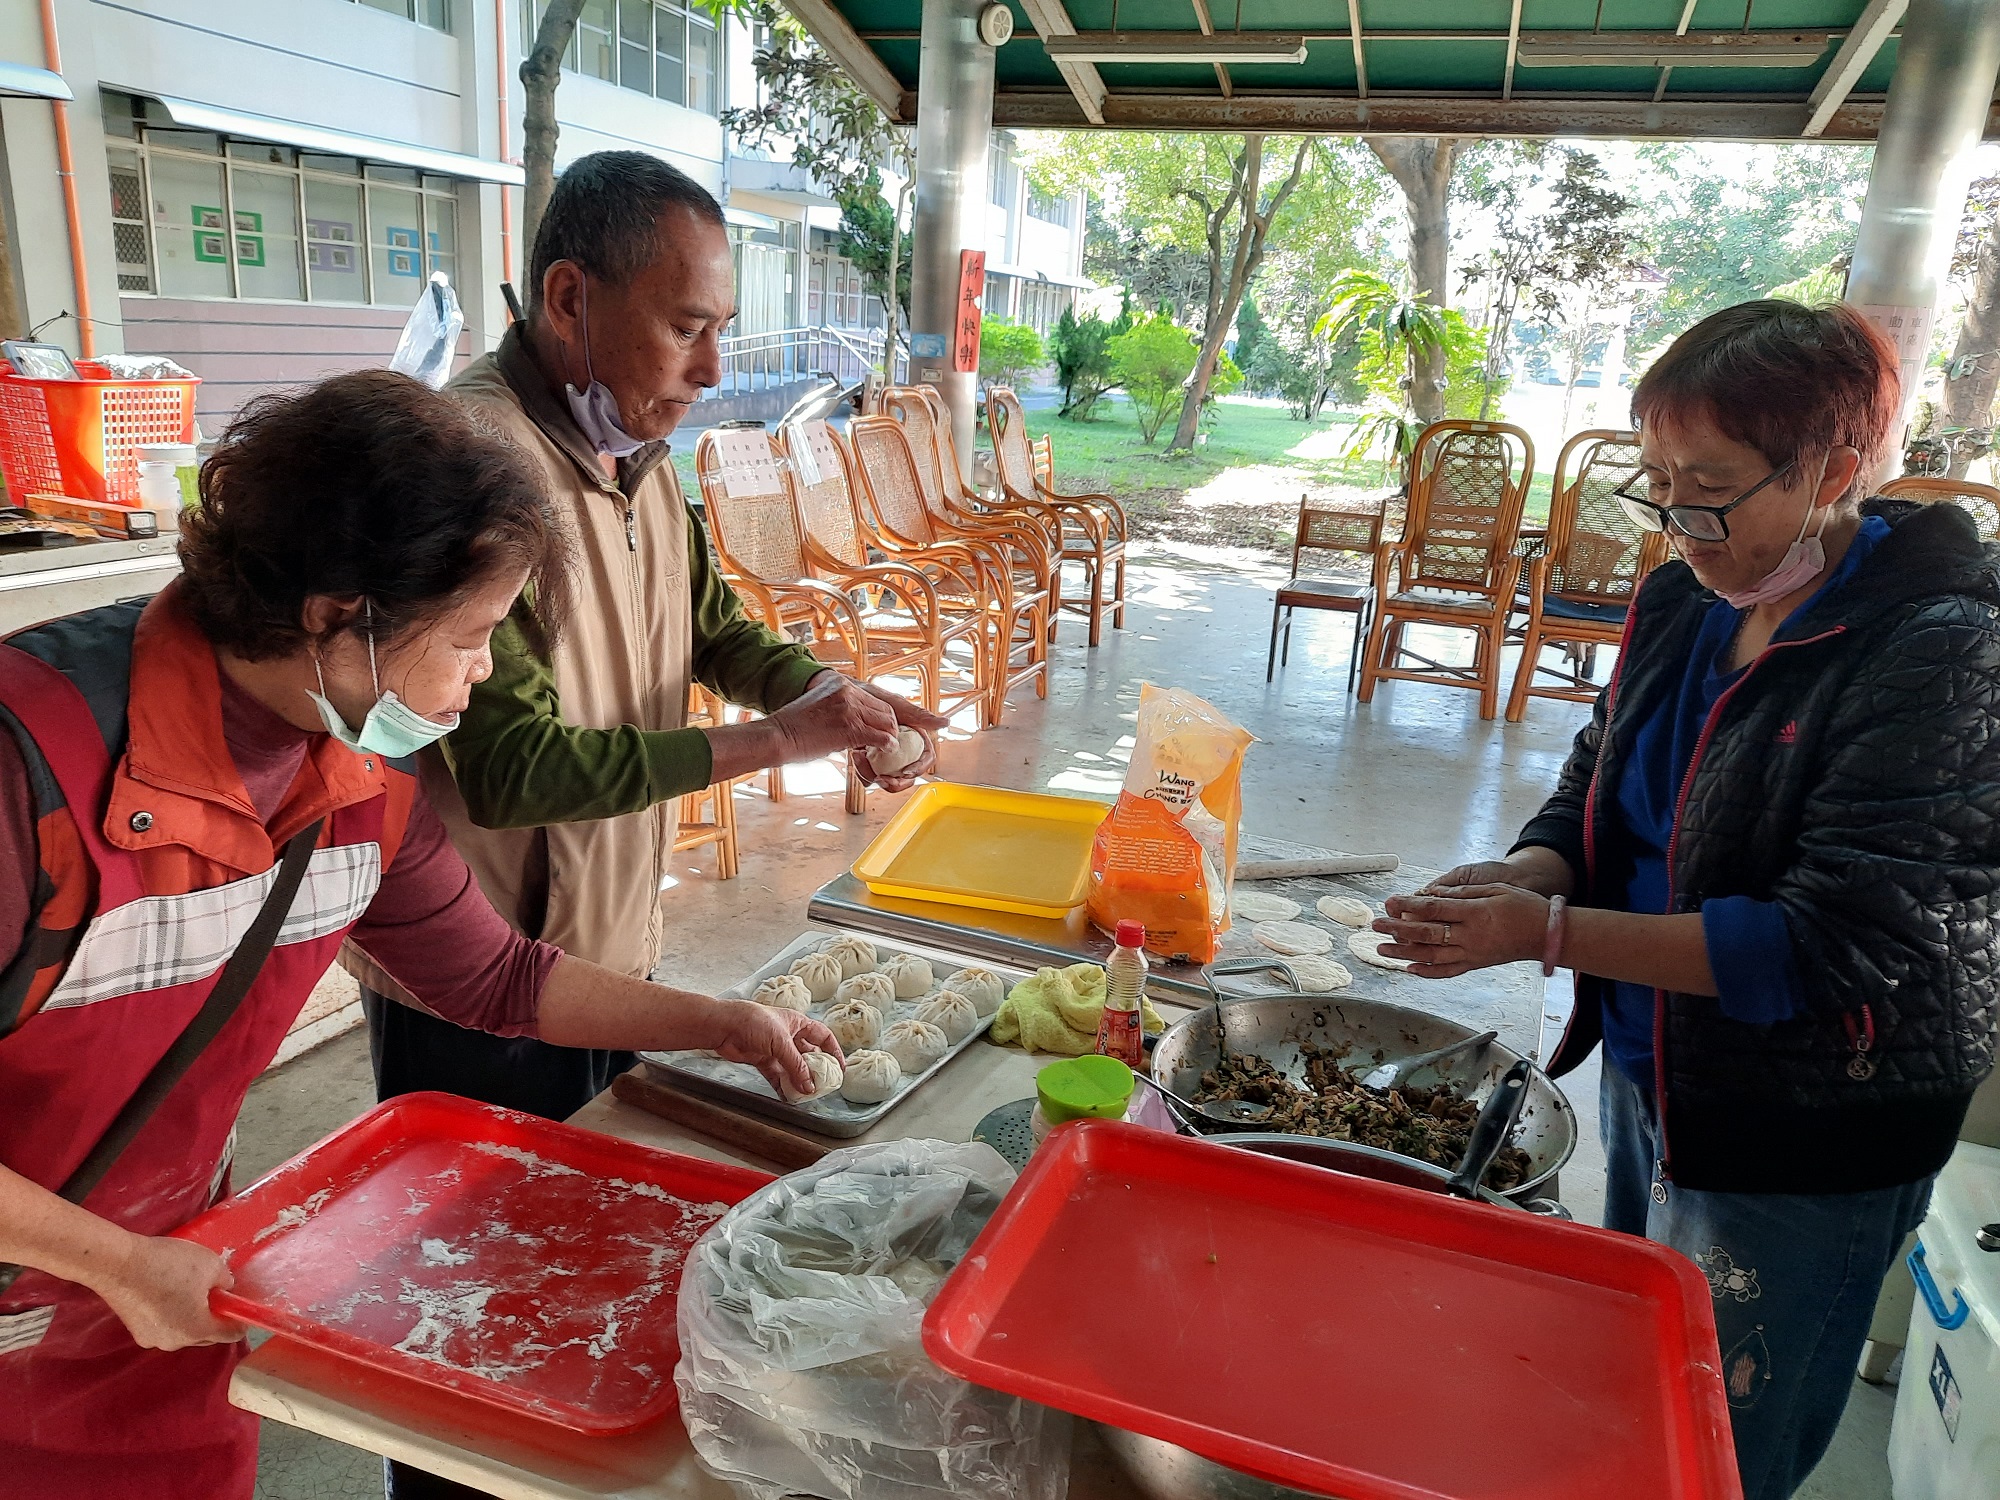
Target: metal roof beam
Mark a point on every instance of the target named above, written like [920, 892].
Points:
[1513, 50]
[1869, 36]
[1051, 19]
[1524, 117]
[1222, 78]
[844, 45]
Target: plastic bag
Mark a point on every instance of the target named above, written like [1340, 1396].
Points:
[802, 1367]
[430, 338]
[1166, 854]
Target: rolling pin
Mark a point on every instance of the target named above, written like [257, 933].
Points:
[759, 1138]
[1328, 864]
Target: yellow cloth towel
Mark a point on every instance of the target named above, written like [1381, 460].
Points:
[1057, 1010]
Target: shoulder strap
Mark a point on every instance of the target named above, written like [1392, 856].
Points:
[223, 1000]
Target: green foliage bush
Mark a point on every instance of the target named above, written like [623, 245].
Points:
[1009, 352]
[1153, 360]
[1081, 349]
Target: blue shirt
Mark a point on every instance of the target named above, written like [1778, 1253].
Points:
[1749, 945]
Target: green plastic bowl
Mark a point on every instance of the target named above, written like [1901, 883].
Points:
[1080, 1088]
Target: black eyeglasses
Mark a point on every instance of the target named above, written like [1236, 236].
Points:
[1701, 523]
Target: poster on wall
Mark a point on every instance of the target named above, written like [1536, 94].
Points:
[971, 290]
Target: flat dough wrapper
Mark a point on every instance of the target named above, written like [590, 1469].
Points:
[1320, 976]
[1349, 911]
[1293, 939]
[1366, 946]
[1256, 906]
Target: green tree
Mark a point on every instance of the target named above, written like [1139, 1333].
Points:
[1153, 360]
[541, 74]
[1009, 352]
[1404, 342]
[1081, 349]
[1973, 370]
[869, 234]
[1422, 167]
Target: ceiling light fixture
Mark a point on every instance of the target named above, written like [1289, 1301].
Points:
[1664, 49]
[1176, 47]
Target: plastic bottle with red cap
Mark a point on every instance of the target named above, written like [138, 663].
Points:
[1119, 1032]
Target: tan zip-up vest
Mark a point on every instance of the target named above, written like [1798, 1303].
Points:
[625, 657]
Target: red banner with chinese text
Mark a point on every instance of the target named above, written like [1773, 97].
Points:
[971, 293]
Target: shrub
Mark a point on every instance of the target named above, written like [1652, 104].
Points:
[1009, 352]
[1153, 360]
[1081, 349]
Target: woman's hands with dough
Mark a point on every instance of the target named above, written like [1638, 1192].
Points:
[1466, 927]
[769, 1040]
[1535, 868]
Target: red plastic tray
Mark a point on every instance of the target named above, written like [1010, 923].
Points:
[1339, 1335]
[530, 1265]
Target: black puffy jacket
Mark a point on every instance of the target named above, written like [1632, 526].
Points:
[1852, 775]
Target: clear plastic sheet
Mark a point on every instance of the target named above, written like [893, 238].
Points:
[430, 338]
[802, 1367]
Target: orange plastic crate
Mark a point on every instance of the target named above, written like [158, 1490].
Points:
[81, 438]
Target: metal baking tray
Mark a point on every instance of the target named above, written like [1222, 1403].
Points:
[739, 1084]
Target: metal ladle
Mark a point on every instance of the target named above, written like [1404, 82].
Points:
[1222, 1111]
[1386, 1076]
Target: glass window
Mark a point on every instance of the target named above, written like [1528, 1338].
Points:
[340, 166]
[188, 228]
[441, 234]
[128, 221]
[395, 246]
[670, 53]
[120, 118]
[333, 241]
[401, 176]
[435, 14]
[635, 45]
[597, 55]
[394, 7]
[704, 66]
[267, 234]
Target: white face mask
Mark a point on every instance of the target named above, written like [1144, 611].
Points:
[1803, 561]
[392, 727]
[595, 411]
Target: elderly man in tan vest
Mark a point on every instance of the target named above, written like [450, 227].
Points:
[561, 783]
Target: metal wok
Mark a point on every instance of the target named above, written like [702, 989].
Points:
[1274, 1027]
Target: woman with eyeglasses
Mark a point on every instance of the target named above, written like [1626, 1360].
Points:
[1772, 858]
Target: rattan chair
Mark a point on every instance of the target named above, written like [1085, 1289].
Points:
[698, 828]
[929, 599]
[1980, 501]
[1032, 535]
[1094, 531]
[1044, 450]
[1592, 562]
[1327, 528]
[1456, 565]
[760, 544]
[1017, 612]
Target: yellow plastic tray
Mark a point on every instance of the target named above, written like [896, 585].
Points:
[987, 847]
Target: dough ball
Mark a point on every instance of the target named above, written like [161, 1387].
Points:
[854, 1023]
[911, 747]
[1367, 946]
[1258, 906]
[984, 988]
[825, 1070]
[1349, 911]
[915, 1045]
[951, 1013]
[878, 990]
[1292, 938]
[871, 1077]
[856, 955]
[909, 974]
[1320, 976]
[820, 973]
[785, 991]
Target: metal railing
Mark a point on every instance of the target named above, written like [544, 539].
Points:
[764, 361]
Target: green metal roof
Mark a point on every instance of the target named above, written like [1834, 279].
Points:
[1439, 67]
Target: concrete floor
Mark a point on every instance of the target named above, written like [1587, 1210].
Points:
[1416, 772]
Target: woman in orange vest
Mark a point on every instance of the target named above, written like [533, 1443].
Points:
[355, 546]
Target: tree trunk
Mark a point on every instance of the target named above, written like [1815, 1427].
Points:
[1422, 169]
[1968, 399]
[541, 71]
[1250, 242]
[893, 302]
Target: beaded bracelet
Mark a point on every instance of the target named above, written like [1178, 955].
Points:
[1552, 946]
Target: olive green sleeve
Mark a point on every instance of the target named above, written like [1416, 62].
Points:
[747, 662]
[518, 764]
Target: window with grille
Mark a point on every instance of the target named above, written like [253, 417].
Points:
[200, 215]
[669, 50]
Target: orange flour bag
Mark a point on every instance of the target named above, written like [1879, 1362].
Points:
[1165, 855]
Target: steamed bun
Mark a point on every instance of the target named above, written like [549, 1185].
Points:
[871, 1077]
[826, 1074]
[909, 749]
[952, 1013]
[911, 975]
[878, 990]
[784, 991]
[914, 1044]
[820, 973]
[856, 955]
[984, 988]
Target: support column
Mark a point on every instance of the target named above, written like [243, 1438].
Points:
[1934, 117]
[954, 120]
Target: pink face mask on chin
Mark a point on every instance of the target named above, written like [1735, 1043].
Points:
[1803, 561]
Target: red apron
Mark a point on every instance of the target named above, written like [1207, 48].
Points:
[83, 1410]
